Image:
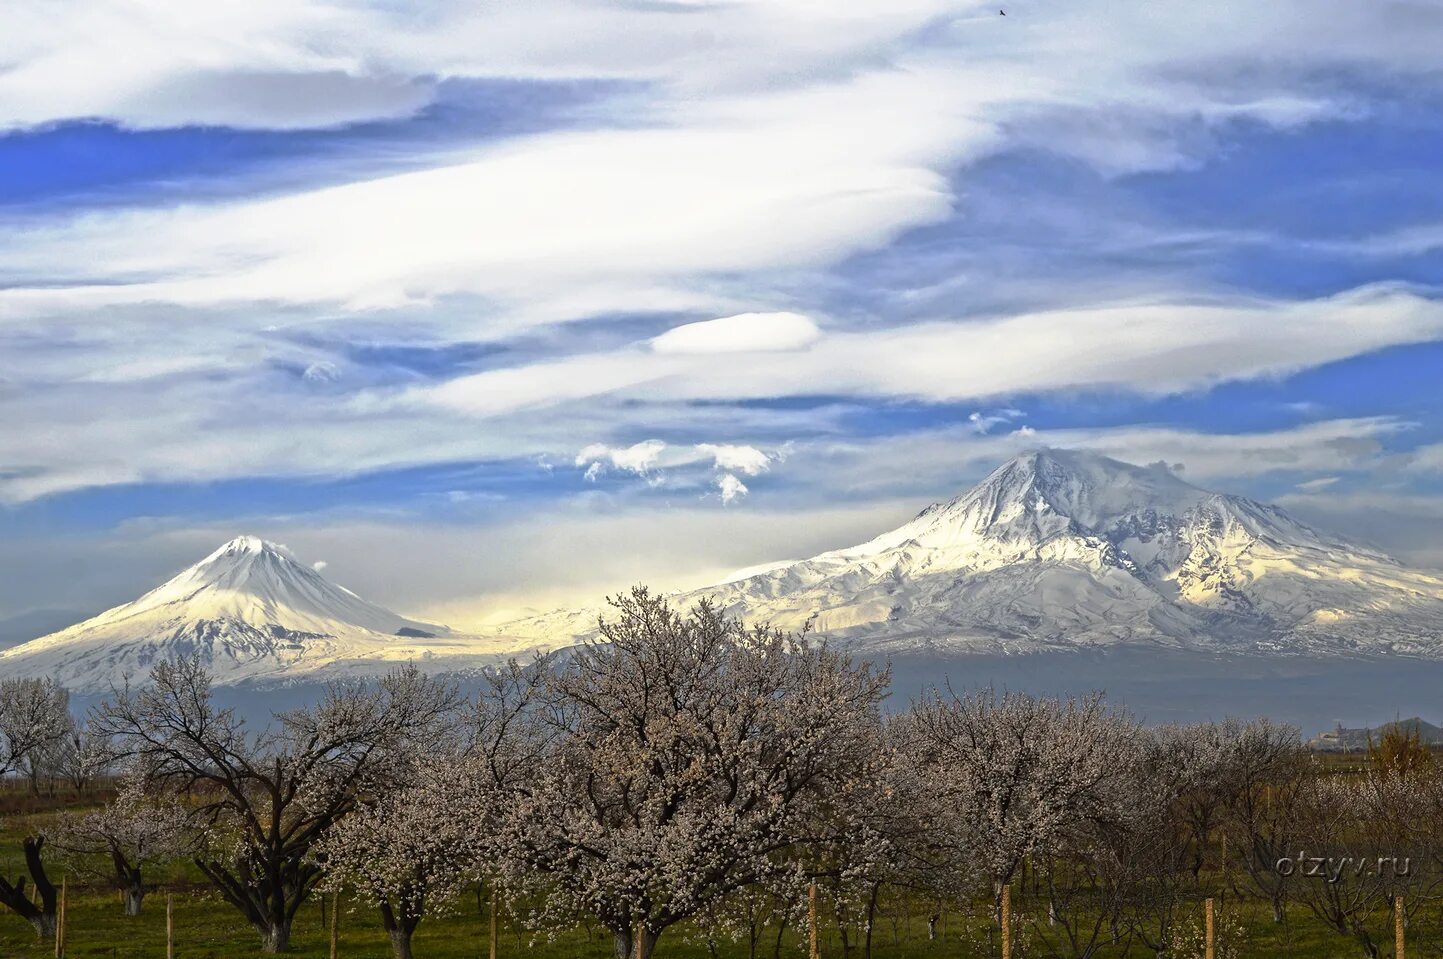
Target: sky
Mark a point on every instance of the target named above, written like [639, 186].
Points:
[487, 308]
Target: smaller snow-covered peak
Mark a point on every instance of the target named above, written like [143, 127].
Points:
[249, 608]
[246, 544]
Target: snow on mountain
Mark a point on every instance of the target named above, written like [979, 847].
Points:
[1054, 551]
[251, 611]
[1065, 549]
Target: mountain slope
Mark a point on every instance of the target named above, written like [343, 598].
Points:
[1064, 549]
[250, 610]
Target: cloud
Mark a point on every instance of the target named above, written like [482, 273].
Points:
[983, 422]
[1314, 485]
[283, 65]
[321, 371]
[1408, 526]
[1153, 348]
[795, 137]
[182, 428]
[731, 488]
[639, 458]
[648, 458]
[1427, 459]
[933, 464]
[743, 333]
[753, 154]
[319, 565]
[742, 459]
[549, 225]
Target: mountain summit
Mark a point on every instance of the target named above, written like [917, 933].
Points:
[1061, 549]
[249, 609]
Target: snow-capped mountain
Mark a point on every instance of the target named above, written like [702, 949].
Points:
[1054, 551]
[1064, 549]
[251, 611]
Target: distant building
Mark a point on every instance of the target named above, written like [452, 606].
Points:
[1343, 740]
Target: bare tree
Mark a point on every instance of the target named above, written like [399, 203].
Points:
[689, 755]
[1342, 878]
[269, 796]
[1175, 806]
[1268, 773]
[133, 832]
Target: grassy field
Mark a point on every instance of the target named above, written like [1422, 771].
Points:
[208, 928]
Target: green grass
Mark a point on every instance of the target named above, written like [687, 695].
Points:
[208, 928]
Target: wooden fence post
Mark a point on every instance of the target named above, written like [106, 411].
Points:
[169, 926]
[1208, 937]
[493, 911]
[60, 924]
[1398, 927]
[335, 924]
[1007, 921]
[815, 950]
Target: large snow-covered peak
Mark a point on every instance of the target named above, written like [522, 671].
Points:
[1065, 549]
[1089, 488]
[1038, 498]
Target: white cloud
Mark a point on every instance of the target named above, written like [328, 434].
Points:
[798, 134]
[742, 459]
[743, 333]
[322, 371]
[319, 565]
[181, 429]
[766, 182]
[731, 488]
[639, 458]
[646, 459]
[1156, 348]
[1427, 459]
[983, 422]
[1314, 485]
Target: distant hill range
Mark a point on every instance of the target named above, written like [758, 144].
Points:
[1342, 740]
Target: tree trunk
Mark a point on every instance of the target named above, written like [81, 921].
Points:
[275, 936]
[44, 924]
[625, 946]
[400, 925]
[871, 921]
[17, 896]
[128, 877]
[781, 931]
[400, 943]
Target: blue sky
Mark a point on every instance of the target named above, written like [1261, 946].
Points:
[489, 309]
